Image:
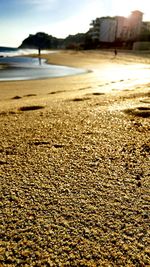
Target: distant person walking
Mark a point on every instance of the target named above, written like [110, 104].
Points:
[115, 52]
[39, 51]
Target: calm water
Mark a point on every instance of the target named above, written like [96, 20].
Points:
[28, 68]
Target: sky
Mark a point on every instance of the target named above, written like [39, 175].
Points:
[19, 18]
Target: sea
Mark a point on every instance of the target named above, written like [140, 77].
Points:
[12, 51]
[17, 64]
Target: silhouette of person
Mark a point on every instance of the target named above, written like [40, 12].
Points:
[115, 52]
[39, 51]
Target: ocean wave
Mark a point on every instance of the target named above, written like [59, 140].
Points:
[12, 52]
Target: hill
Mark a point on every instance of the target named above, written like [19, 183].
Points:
[42, 40]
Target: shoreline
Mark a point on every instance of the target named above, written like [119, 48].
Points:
[74, 165]
[100, 63]
[34, 68]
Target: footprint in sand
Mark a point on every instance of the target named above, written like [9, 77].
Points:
[16, 97]
[84, 88]
[29, 108]
[143, 112]
[56, 92]
[30, 95]
[19, 97]
[38, 143]
[98, 93]
[79, 99]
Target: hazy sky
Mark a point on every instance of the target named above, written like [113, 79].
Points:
[19, 18]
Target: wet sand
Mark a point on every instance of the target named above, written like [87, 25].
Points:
[74, 165]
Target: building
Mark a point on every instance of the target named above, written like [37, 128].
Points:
[146, 26]
[144, 43]
[134, 25]
[107, 30]
[111, 29]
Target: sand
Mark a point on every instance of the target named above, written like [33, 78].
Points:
[74, 165]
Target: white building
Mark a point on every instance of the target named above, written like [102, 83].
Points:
[107, 32]
[108, 29]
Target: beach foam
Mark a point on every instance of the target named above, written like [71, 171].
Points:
[13, 52]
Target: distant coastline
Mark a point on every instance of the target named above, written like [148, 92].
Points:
[7, 49]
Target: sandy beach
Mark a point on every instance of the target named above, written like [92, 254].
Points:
[75, 164]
